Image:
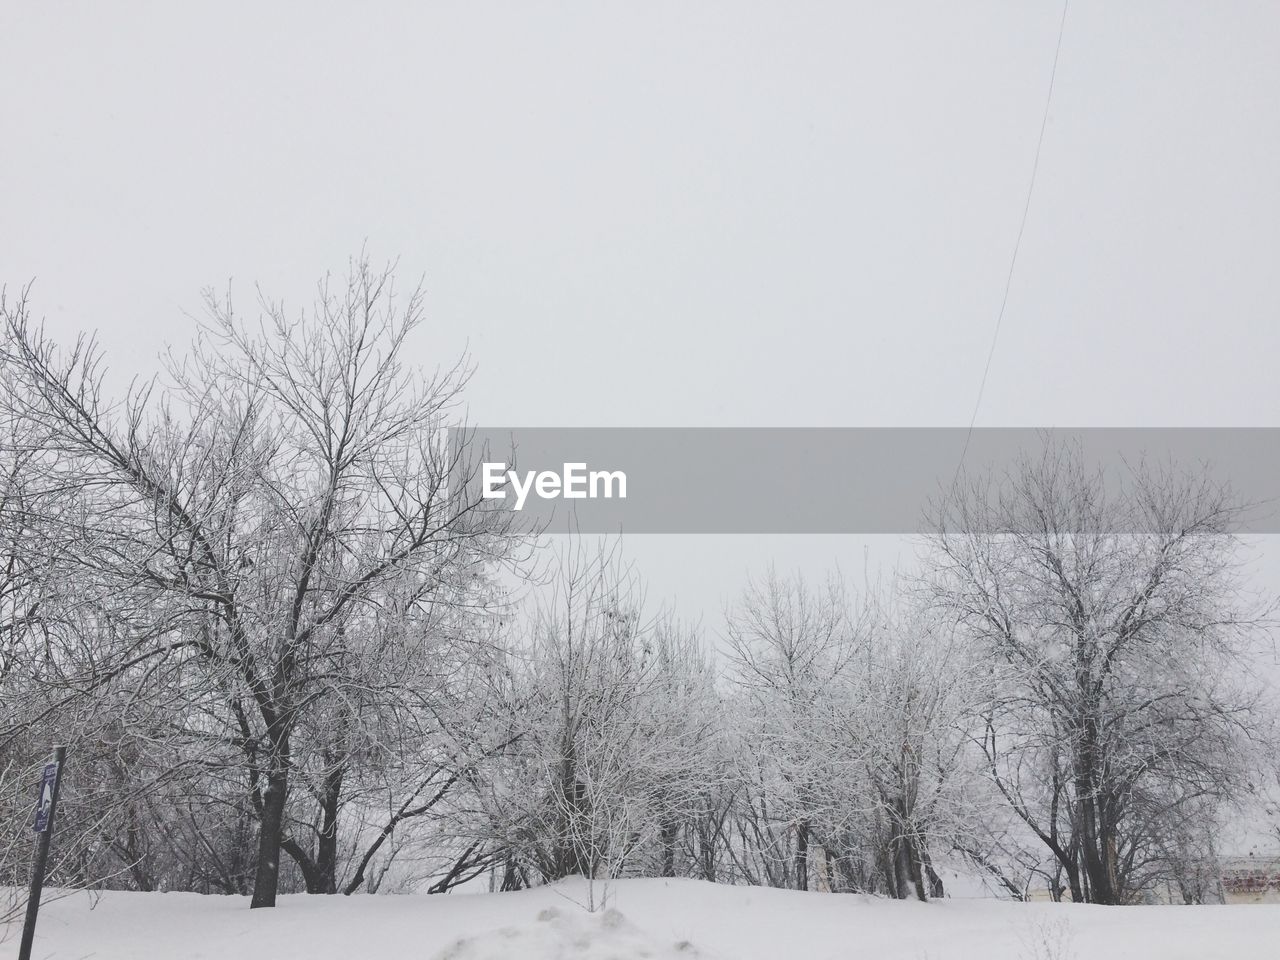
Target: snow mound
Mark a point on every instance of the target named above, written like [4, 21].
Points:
[569, 934]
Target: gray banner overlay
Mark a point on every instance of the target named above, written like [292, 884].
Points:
[839, 480]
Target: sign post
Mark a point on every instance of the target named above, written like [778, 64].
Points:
[46, 807]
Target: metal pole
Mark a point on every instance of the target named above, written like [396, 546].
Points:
[42, 858]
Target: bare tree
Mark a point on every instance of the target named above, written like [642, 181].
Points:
[617, 720]
[286, 504]
[790, 651]
[914, 692]
[1116, 635]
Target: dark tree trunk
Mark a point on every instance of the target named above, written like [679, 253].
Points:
[1072, 867]
[802, 855]
[1097, 851]
[570, 856]
[887, 857]
[270, 835]
[936, 890]
[708, 840]
[670, 831]
[327, 843]
[912, 858]
[513, 877]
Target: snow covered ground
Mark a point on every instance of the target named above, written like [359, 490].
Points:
[658, 919]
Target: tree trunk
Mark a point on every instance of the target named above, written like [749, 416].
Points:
[270, 834]
[914, 874]
[936, 889]
[513, 877]
[1072, 868]
[887, 862]
[802, 855]
[327, 844]
[670, 830]
[708, 841]
[1094, 847]
[571, 856]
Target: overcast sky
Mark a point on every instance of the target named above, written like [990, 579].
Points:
[675, 213]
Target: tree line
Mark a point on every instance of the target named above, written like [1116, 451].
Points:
[289, 652]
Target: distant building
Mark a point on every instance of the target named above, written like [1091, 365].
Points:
[1251, 879]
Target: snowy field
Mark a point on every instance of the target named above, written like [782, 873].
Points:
[658, 919]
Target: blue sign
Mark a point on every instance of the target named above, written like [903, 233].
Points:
[44, 804]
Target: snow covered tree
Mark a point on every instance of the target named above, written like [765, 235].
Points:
[789, 654]
[617, 725]
[915, 695]
[280, 501]
[1117, 638]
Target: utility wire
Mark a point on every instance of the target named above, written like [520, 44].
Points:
[1017, 244]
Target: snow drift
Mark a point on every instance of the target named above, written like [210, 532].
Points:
[657, 919]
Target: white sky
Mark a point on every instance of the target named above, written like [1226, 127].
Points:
[673, 213]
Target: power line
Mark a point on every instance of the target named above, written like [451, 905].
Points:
[1017, 244]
